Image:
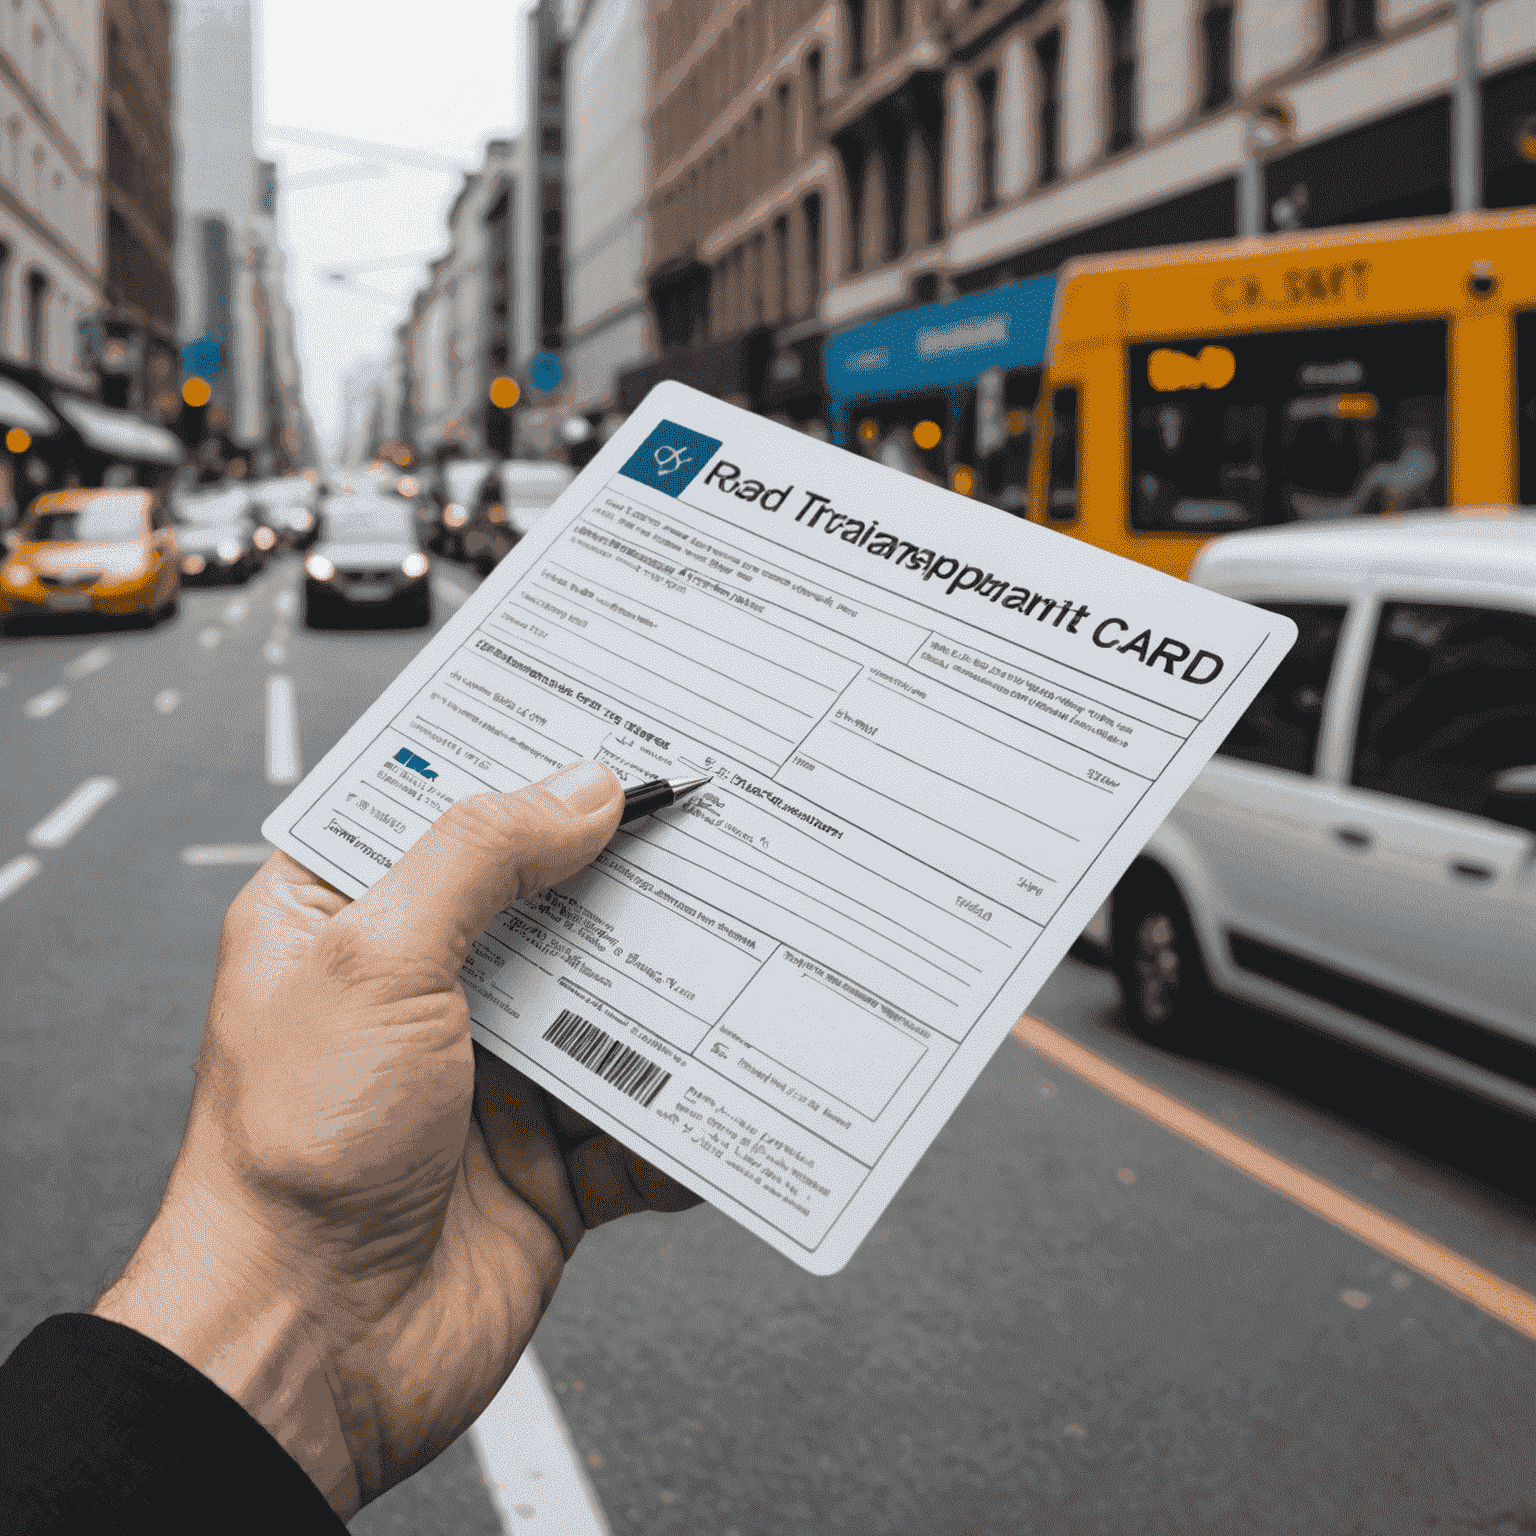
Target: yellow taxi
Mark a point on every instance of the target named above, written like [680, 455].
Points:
[105, 551]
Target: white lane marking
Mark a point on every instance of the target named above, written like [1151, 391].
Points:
[286, 603]
[449, 592]
[41, 705]
[235, 612]
[16, 874]
[282, 732]
[93, 661]
[273, 653]
[529, 1462]
[5, 677]
[209, 638]
[61, 823]
[226, 853]
[166, 700]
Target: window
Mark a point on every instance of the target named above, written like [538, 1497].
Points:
[786, 127]
[1061, 482]
[1218, 48]
[1449, 704]
[855, 14]
[1280, 728]
[1525, 402]
[813, 79]
[1349, 22]
[812, 208]
[1122, 73]
[1048, 61]
[37, 319]
[759, 152]
[1293, 426]
[781, 266]
[986, 94]
[759, 290]
[896, 19]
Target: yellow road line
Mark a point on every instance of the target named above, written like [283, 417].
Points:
[1410, 1247]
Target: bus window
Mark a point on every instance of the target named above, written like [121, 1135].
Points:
[1525, 403]
[1061, 484]
[1281, 427]
[908, 434]
[993, 437]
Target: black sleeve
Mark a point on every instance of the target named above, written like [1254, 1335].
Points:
[103, 1430]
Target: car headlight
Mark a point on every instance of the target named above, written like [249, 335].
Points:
[300, 521]
[414, 565]
[18, 575]
[193, 565]
[264, 538]
[454, 516]
[228, 550]
[319, 567]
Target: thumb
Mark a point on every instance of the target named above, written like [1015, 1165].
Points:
[484, 852]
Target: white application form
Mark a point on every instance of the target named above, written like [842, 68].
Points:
[936, 734]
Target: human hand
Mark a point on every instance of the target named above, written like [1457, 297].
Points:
[368, 1216]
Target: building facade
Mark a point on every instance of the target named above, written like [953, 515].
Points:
[815, 165]
[52, 225]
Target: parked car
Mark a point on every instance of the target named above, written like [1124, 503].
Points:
[217, 535]
[107, 552]
[1360, 853]
[511, 501]
[367, 564]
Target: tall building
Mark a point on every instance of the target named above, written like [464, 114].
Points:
[605, 183]
[230, 267]
[51, 217]
[540, 233]
[133, 343]
[462, 331]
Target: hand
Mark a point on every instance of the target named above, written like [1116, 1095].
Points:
[367, 1217]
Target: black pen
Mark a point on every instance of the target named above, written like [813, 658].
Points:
[657, 795]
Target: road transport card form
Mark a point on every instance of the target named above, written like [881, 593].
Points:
[937, 735]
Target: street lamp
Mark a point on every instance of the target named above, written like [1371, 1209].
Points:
[1267, 128]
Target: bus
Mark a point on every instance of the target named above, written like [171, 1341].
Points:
[946, 391]
[1347, 372]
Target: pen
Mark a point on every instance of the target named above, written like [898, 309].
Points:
[642, 799]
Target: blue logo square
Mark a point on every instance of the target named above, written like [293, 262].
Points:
[670, 457]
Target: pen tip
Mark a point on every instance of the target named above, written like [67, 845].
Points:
[687, 786]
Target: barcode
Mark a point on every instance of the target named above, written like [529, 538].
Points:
[626, 1069]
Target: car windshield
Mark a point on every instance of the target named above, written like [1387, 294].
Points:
[359, 521]
[103, 520]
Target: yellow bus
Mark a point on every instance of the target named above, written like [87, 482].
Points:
[1196, 390]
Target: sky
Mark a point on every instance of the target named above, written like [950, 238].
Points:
[375, 71]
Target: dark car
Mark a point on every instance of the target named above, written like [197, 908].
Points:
[367, 564]
[511, 500]
[287, 508]
[218, 535]
[455, 489]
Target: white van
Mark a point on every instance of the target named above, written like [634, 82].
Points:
[1361, 853]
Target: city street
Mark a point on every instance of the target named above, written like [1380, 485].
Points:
[1070, 1321]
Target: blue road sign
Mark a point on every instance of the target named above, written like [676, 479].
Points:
[546, 371]
[203, 359]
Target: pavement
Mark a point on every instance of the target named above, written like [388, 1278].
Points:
[1072, 1319]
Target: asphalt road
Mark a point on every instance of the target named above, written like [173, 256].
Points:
[1069, 1321]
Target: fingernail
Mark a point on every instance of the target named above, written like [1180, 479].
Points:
[582, 788]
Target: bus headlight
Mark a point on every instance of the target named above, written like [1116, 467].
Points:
[18, 575]
[228, 550]
[414, 565]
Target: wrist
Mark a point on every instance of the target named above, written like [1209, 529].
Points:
[221, 1312]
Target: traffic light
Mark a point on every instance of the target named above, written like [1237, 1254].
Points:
[192, 420]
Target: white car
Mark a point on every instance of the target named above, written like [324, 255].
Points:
[1361, 854]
